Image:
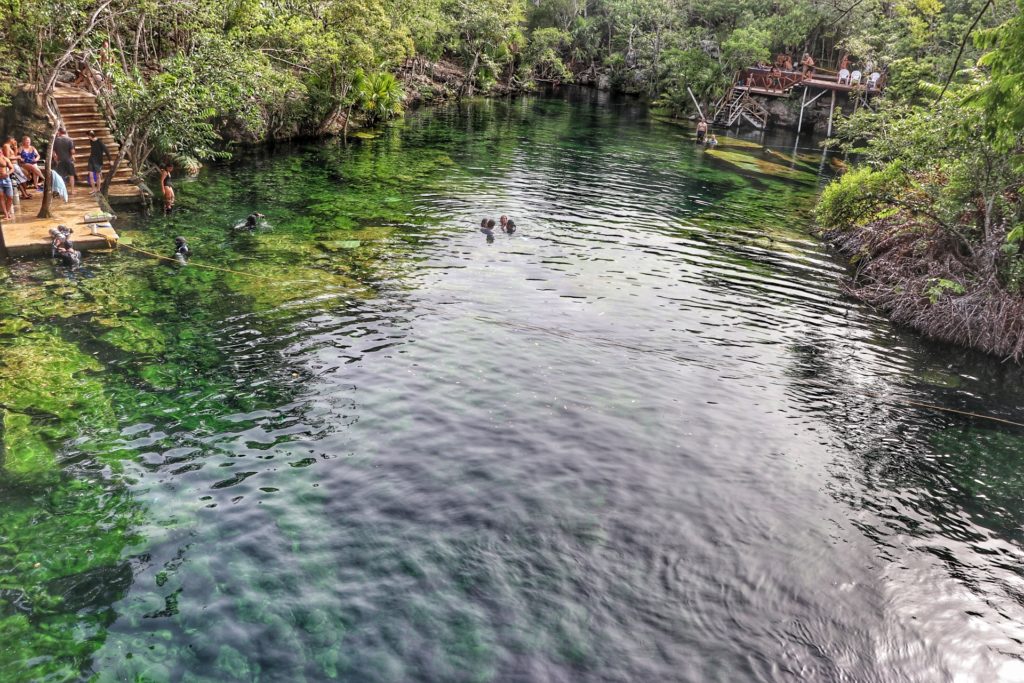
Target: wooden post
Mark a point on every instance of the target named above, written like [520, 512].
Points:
[803, 103]
[831, 109]
[699, 111]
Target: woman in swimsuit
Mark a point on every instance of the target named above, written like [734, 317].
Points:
[29, 159]
[166, 187]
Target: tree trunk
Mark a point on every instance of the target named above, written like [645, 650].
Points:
[44, 208]
[125, 144]
[467, 86]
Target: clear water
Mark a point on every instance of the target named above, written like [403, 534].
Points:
[646, 438]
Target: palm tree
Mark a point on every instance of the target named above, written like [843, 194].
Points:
[378, 96]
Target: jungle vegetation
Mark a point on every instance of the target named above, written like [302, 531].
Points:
[932, 211]
[184, 72]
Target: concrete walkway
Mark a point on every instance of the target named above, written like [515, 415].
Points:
[27, 235]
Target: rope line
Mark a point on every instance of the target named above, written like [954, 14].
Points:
[114, 244]
[918, 404]
[927, 406]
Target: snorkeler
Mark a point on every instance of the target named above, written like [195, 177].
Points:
[252, 222]
[181, 250]
[62, 249]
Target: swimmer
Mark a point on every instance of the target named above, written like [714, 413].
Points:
[181, 250]
[62, 249]
[487, 228]
[56, 242]
[503, 220]
[252, 222]
[712, 141]
[509, 226]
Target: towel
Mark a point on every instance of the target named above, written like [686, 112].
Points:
[59, 187]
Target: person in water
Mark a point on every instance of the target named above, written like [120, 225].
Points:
[181, 250]
[702, 130]
[509, 227]
[487, 228]
[712, 141]
[61, 247]
[166, 187]
[253, 221]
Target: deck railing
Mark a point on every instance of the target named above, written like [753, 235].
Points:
[756, 77]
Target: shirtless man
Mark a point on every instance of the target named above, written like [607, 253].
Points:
[10, 151]
[7, 188]
[702, 130]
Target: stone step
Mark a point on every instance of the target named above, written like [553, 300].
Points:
[76, 108]
[83, 124]
[82, 140]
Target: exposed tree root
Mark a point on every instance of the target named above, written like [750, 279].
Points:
[923, 277]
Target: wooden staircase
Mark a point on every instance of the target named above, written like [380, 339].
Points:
[79, 113]
[737, 105]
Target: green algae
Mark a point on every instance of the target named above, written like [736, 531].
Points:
[27, 458]
[138, 369]
[754, 164]
[50, 393]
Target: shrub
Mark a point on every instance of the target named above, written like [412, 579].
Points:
[858, 196]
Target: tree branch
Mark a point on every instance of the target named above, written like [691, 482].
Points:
[960, 52]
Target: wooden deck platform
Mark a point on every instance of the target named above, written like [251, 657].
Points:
[27, 235]
[756, 81]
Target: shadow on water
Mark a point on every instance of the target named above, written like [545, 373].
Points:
[644, 438]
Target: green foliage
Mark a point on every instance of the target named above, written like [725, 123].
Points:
[939, 287]
[378, 96]
[858, 195]
[693, 68]
[744, 47]
[1001, 97]
[544, 54]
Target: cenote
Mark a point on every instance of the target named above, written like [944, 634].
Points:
[645, 438]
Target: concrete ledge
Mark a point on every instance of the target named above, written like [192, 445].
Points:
[27, 235]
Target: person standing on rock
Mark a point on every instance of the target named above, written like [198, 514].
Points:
[64, 155]
[97, 150]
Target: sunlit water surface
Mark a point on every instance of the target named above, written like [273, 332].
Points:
[645, 438]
